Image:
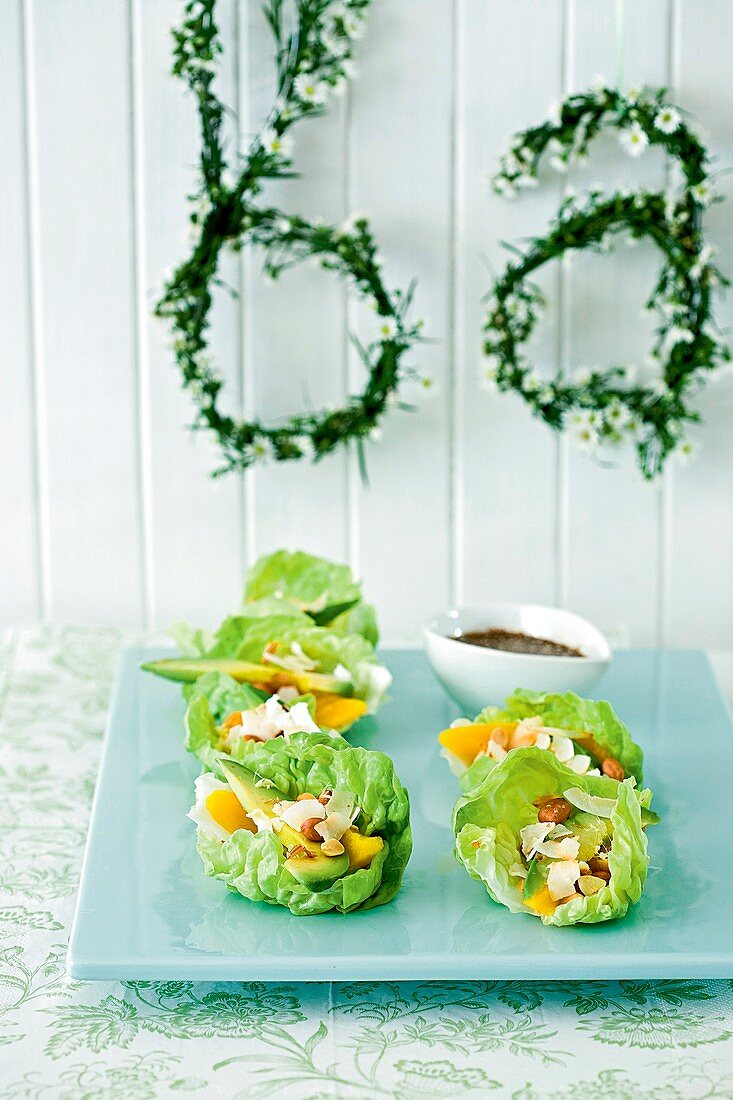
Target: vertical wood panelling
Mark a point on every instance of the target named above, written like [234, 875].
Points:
[401, 157]
[613, 548]
[78, 56]
[195, 521]
[701, 524]
[20, 573]
[109, 510]
[510, 72]
[295, 329]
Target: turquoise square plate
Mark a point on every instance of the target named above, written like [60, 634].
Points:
[147, 911]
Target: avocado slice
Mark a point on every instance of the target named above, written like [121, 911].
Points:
[313, 869]
[536, 878]
[184, 670]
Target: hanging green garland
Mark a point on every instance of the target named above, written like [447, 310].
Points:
[313, 63]
[605, 407]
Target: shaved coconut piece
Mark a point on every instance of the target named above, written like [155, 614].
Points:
[567, 848]
[579, 764]
[341, 802]
[563, 748]
[299, 719]
[561, 878]
[458, 722]
[341, 673]
[593, 771]
[532, 835]
[287, 693]
[298, 812]
[543, 740]
[535, 722]
[558, 832]
[589, 803]
[262, 821]
[334, 826]
[518, 871]
[495, 750]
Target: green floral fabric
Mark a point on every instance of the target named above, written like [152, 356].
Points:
[65, 1040]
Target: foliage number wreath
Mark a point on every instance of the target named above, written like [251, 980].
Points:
[313, 62]
[606, 406]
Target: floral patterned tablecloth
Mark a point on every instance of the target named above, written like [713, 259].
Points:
[66, 1040]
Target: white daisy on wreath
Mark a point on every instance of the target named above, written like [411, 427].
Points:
[633, 139]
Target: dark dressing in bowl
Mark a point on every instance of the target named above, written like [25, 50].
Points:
[512, 641]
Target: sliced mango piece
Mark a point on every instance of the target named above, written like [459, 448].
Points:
[232, 720]
[541, 903]
[227, 811]
[466, 742]
[360, 849]
[333, 712]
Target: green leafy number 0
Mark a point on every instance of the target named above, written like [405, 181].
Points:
[604, 407]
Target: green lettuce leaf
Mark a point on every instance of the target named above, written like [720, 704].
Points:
[569, 712]
[487, 823]
[254, 865]
[325, 590]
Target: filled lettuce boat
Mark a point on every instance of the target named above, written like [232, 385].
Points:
[568, 848]
[585, 735]
[279, 644]
[308, 822]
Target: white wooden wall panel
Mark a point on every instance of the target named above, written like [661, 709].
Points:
[295, 326]
[109, 512]
[80, 154]
[701, 522]
[20, 573]
[612, 513]
[401, 177]
[507, 460]
[193, 524]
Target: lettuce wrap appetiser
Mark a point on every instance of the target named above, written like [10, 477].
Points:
[587, 736]
[277, 647]
[310, 823]
[568, 848]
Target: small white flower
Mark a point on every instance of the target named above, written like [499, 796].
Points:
[559, 164]
[685, 452]
[526, 182]
[376, 434]
[309, 89]
[702, 193]
[679, 335]
[546, 394]
[633, 140]
[531, 383]
[617, 415]
[283, 225]
[387, 328]
[586, 439]
[634, 94]
[305, 445]
[278, 145]
[668, 120]
[354, 26]
[263, 450]
[503, 187]
[581, 418]
[336, 45]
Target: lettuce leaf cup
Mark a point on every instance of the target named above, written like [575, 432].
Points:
[287, 655]
[308, 822]
[585, 735]
[568, 848]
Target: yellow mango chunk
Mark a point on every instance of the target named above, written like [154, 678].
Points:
[361, 850]
[227, 811]
[232, 720]
[541, 903]
[466, 742]
[334, 712]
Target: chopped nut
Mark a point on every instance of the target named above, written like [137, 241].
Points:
[590, 884]
[584, 868]
[332, 847]
[325, 795]
[305, 797]
[598, 863]
[500, 737]
[299, 850]
[556, 810]
[605, 875]
[308, 829]
[612, 769]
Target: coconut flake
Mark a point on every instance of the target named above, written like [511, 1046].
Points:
[543, 740]
[589, 803]
[333, 827]
[262, 821]
[297, 813]
[532, 835]
[567, 848]
[495, 750]
[341, 673]
[341, 802]
[561, 878]
[458, 723]
[579, 764]
[563, 748]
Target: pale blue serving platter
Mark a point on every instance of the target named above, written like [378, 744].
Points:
[147, 911]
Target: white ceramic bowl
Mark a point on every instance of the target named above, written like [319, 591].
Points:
[475, 676]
